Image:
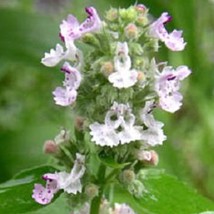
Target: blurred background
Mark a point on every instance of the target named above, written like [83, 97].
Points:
[28, 115]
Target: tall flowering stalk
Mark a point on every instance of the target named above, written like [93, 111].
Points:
[113, 84]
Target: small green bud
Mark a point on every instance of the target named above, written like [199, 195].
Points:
[154, 44]
[107, 68]
[131, 31]
[90, 39]
[91, 190]
[112, 14]
[129, 14]
[113, 27]
[136, 48]
[127, 176]
[136, 188]
[139, 62]
[142, 20]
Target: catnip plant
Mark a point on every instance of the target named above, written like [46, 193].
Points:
[113, 84]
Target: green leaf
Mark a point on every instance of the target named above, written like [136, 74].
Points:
[16, 194]
[164, 194]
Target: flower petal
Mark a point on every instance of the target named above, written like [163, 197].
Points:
[42, 195]
[64, 96]
[54, 57]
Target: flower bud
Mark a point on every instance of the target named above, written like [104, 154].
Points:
[149, 157]
[79, 123]
[91, 190]
[139, 62]
[142, 20]
[129, 14]
[140, 76]
[112, 14]
[127, 176]
[141, 8]
[90, 39]
[131, 31]
[50, 147]
[107, 68]
[136, 188]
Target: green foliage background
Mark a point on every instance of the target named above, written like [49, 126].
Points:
[28, 115]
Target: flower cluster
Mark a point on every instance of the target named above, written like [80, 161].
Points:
[114, 85]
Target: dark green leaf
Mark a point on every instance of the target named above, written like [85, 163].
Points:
[164, 194]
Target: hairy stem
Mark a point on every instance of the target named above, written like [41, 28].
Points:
[95, 203]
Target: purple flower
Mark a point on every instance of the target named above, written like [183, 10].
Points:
[92, 23]
[173, 40]
[44, 195]
[69, 182]
[66, 95]
[72, 76]
[70, 29]
[167, 85]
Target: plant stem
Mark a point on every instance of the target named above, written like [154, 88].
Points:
[95, 203]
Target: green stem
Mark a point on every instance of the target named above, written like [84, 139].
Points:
[112, 174]
[95, 203]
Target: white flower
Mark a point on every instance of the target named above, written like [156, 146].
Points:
[104, 135]
[167, 84]
[55, 56]
[118, 128]
[124, 76]
[153, 135]
[70, 182]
